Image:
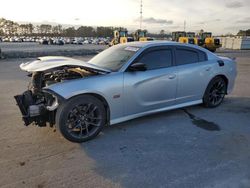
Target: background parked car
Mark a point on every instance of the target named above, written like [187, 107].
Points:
[44, 41]
[59, 41]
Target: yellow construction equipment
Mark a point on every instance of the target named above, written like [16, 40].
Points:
[179, 36]
[120, 36]
[204, 39]
[193, 39]
[183, 37]
[210, 42]
[140, 35]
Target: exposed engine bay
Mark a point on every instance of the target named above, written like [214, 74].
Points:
[38, 106]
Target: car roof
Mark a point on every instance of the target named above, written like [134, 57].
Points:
[149, 43]
[146, 44]
[155, 43]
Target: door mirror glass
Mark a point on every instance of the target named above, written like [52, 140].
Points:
[137, 67]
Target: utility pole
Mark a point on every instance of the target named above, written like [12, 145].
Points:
[184, 25]
[141, 15]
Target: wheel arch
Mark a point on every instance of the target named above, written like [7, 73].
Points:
[101, 98]
[205, 98]
[223, 77]
[214, 77]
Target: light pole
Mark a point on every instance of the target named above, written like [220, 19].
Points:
[141, 15]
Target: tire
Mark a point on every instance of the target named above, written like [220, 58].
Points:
[81, 118]
[215, 92]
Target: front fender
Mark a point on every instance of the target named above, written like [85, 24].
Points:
[108, 86]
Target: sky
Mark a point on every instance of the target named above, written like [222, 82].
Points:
[217, 16]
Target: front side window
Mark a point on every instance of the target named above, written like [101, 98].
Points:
[186, 56]
[157, 59]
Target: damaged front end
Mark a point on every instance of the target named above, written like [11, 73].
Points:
[39, 105]
[38, 109]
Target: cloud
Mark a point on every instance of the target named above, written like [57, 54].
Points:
[208, 21]
[201, 23]
[77, 19]
[234, 4]
[237, 28]
[152, 20]
[243, 20]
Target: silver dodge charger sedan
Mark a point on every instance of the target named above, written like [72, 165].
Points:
[123, 82]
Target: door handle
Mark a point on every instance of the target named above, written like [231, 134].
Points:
[172, 76]
[208, 68]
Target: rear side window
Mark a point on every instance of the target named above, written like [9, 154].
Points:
[157, 59]
[186, 56]
[202, 56]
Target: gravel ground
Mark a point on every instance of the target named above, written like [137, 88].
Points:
[170, 149]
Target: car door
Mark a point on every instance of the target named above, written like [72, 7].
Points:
[194, 73]
[154, 88]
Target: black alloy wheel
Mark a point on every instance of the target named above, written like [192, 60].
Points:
[215, 92]
[81, 118]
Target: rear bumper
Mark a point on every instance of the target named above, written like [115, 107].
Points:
[232, 79]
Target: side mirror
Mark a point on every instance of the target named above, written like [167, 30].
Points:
[138, 67]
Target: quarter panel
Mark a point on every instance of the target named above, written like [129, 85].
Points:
[229, 70]
[193, 80]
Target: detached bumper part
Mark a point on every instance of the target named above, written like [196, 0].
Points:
[23, 102]
[33, 112]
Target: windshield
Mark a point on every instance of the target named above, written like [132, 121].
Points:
[191, 35]
[114, 57]
[207, 35]
[142, 34]
[123, 33]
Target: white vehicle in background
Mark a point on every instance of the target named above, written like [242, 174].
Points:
[69, 41]
[86, 42]
[78, 40]
[95, 41]
[59, 41]
[44, 41]
[11, 39]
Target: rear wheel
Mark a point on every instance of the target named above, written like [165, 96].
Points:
[81, 118]
[215, 92]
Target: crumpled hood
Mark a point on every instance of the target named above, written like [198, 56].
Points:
[50, 62]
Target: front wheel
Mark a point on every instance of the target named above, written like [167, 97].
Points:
[215, 92]
[81, 118]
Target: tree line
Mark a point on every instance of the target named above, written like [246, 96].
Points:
[10, 28]
[244, 32]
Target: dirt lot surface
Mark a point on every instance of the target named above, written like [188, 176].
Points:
[191, 147]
